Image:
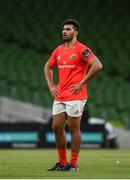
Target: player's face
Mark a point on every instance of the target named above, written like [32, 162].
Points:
[68, 33]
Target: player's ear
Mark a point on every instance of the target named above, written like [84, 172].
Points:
[76, 33]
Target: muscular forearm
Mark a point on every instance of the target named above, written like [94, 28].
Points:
[48, 75]
[95, 67]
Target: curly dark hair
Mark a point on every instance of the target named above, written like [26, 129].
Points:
[73, 22]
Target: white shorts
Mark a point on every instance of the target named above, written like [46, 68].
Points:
[72, 108]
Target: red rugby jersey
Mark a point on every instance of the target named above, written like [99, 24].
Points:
[72, 66]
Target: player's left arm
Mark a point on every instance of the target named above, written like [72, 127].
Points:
[94, 67]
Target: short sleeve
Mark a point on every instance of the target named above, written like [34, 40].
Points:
[52, 61]
[86, 53]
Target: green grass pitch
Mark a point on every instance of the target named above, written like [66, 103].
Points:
[94, 164]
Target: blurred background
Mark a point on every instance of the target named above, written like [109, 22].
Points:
[29, 31]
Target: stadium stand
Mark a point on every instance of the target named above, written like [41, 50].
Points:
[30, 30]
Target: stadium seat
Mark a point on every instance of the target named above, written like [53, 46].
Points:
[29, 36]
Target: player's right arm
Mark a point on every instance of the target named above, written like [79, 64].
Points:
[48, 71]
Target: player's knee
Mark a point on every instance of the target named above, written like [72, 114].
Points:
[56, 128]
[74, 128]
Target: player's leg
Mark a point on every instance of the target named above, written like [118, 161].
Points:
[58, 127]
[59, 120]
[74, 111]
[74, 126]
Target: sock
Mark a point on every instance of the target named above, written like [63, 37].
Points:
[62, 156]
[74, 158]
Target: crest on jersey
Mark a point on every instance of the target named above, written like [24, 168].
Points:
[72, 56]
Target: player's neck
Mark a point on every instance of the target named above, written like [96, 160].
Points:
[70, 44]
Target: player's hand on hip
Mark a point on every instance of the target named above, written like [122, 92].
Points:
[75, 88]
[54, 91]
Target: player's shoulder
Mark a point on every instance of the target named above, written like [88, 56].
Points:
[61, 46]
[58, 48]
[81, 45]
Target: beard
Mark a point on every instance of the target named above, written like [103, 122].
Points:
[68, 39]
